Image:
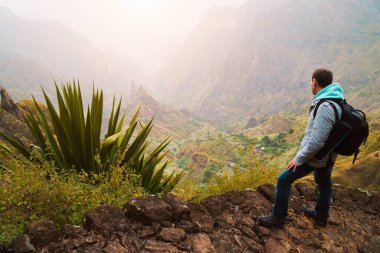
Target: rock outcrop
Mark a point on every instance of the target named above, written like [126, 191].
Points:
[8, 105]
[11, 119]
[223, 223]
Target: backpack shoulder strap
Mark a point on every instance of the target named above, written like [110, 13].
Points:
[332, 105]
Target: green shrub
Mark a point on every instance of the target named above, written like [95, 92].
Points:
[31, 191]
[73, 140]
[253, 177]
[183, 162]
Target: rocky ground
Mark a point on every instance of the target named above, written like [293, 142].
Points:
[223, 223]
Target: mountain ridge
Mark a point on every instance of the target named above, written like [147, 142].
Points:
[57, 52]
[260, 60]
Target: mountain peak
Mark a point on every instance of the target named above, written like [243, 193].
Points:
[7, 103]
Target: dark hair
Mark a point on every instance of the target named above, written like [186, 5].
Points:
[323, 76]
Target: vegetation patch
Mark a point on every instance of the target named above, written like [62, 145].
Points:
[30, 191]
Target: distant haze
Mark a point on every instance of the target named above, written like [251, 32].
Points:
[145, 31]
[227, 61]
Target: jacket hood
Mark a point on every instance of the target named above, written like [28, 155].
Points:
[331, 91]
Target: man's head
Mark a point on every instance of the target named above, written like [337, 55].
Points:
[320, 79]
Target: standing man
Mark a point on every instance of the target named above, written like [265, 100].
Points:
[317, 132]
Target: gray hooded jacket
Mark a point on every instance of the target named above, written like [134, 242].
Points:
[319, 128]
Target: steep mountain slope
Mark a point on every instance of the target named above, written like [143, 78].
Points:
[258, 59]
[34, 52]
[179, 124]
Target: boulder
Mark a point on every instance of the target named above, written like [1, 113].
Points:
[224, 243]
[305, 190]
[267, 191]
[172, 235]
[179, 208]
[115, 247]
[21, 244]
[214, 204]
[152, 246]
[146, 232]
[201, 244]
[202, 220]
[41, 233]
[148, 209]
[106, 220]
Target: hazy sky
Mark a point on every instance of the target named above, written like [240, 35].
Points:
[143, 30]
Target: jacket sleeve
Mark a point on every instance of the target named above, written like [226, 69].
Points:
[322, 126]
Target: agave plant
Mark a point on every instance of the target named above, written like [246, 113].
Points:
[73, 141]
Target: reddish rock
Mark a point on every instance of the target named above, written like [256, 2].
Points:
[374, 201]
[115, 247]
[147, 231]
[106, 220]
[225, 243]
[235, 198]
[273, 246]
[93, 239]
[249, 233]
[263, 231]
[246, 221]
[201, 244]
[305, 190]
[172, 235]
[179, 208]
[70, 231]
[251, 245]
[203, 220]
[42, 233]
[214, 204]
[148, 209]
[154, 247]
[87, 249]
[255, 202]
[21, 244]
[267, 191]
[294, 233]
[190, 226]
[226, 220]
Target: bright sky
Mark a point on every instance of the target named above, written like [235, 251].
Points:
[140, 29]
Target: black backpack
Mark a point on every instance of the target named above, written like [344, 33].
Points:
[348, 133]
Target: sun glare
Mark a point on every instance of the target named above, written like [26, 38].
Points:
[143, 4]
[145, 7]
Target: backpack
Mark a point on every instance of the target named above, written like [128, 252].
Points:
[348, 133]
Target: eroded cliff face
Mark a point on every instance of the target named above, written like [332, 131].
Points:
[223, 223]
[11, 119]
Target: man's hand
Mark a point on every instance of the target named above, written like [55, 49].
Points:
[292, 164]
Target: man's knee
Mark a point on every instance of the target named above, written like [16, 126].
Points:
[284, 179]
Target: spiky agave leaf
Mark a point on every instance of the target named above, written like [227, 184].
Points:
[16, 144]
[72, 138]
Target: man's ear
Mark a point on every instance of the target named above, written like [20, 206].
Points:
[314, 82]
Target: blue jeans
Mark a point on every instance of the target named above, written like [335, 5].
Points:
[322, 177]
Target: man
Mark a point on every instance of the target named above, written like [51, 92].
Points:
[317, 132]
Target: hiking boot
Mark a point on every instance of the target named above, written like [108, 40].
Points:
[320, 221]
[272, 221]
